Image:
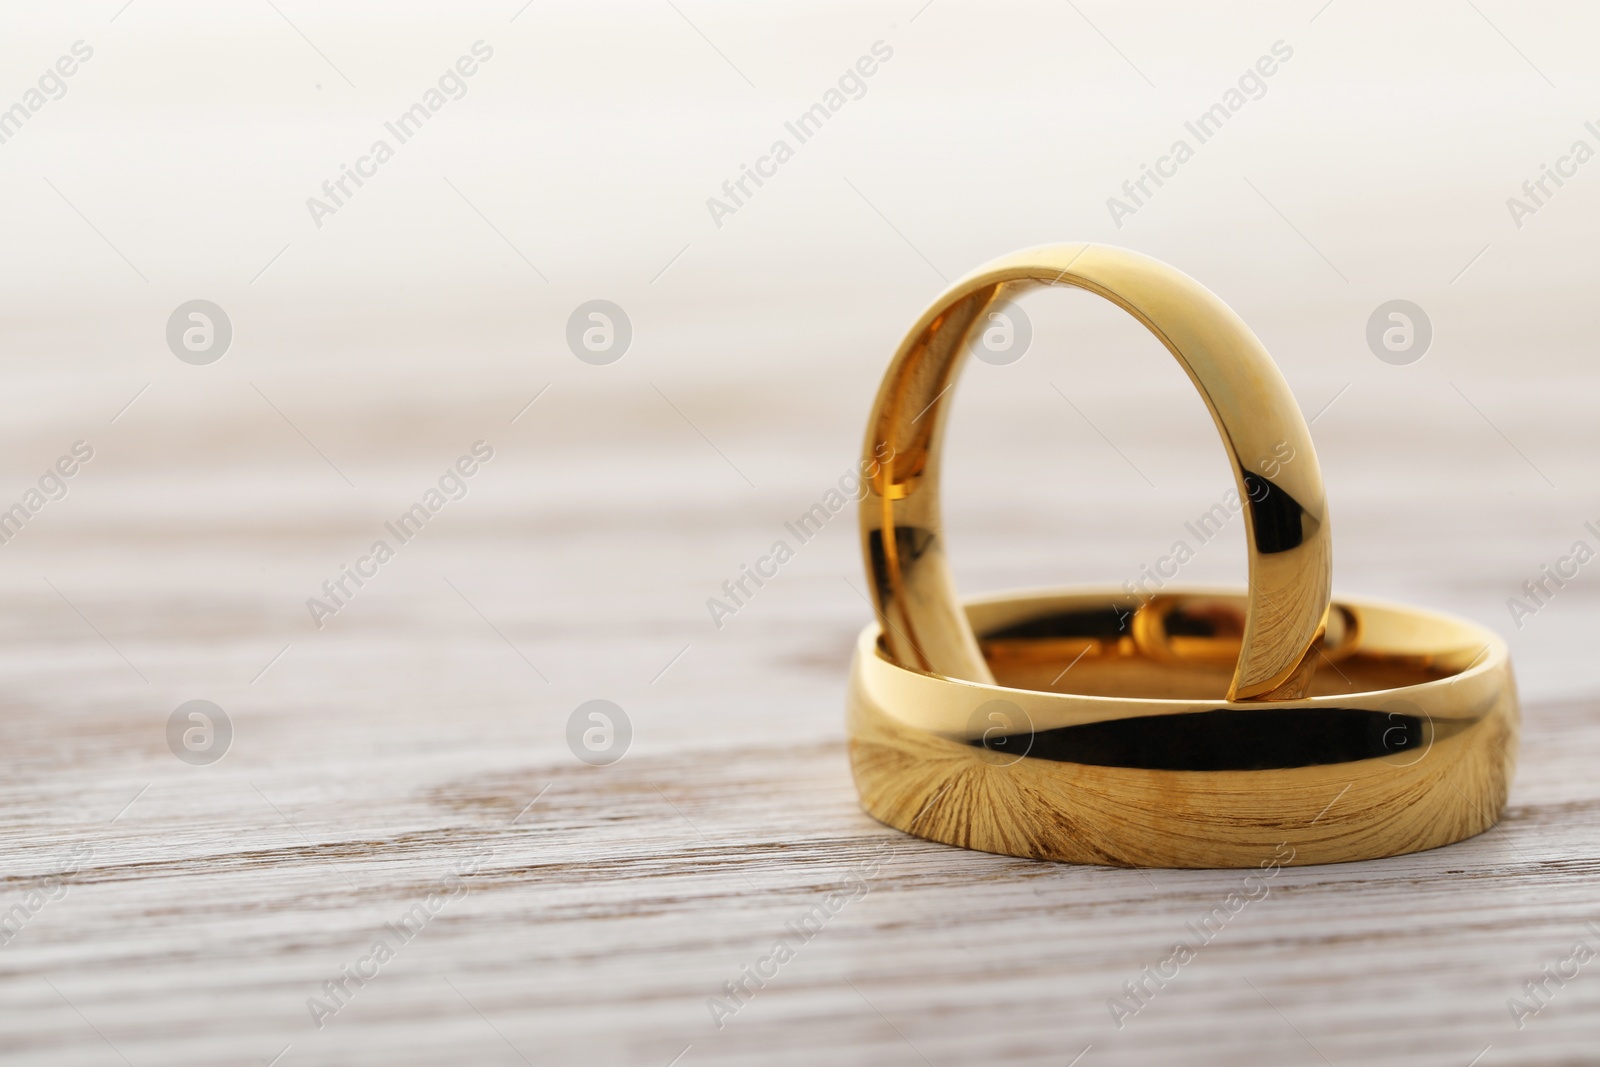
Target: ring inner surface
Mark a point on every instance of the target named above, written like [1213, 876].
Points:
[1182, 647]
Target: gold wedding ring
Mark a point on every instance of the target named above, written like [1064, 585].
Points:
[1193, 728]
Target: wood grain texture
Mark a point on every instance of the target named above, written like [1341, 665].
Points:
[603, 918]
[605, 908]
[413, 747]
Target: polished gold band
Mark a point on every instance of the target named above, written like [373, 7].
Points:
[1406, 742]
[1193, 729]
[1286, 524]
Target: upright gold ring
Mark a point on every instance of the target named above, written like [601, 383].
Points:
[1194, 728]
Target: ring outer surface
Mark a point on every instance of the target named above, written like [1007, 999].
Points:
[914, 771]
[1289, 544]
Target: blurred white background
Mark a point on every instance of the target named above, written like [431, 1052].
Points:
[432, 307]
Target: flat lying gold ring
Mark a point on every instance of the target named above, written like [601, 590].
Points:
[1286, 523]
[1408, 745]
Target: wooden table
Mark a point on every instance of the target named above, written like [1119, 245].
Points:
[421, 734]
[402, 773]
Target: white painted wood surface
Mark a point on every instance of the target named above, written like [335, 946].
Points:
[422, 729]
